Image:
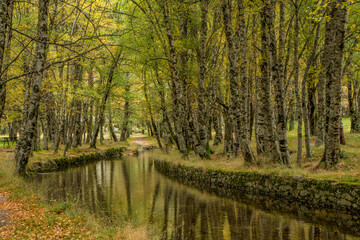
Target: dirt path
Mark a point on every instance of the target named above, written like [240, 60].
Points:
[140, 141]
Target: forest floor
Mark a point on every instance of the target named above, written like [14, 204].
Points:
[347, 171]
[25, 215]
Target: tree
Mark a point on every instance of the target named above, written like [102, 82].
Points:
[334, 50]
[31, 116]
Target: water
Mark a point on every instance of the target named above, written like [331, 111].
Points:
[131, 189]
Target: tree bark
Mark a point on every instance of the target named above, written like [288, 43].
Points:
[305, 111]
[104, 99]
[111, 126]
[89, 122]
[203, 121]
[24, 150]
[177, 90]
[297, 87]
[277, 74]
[125, 124]
[266, 132]
[6, 15]
[334, 46]
[237, 102]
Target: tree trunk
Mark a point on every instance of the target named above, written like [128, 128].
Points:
[277, 74]
[91, 107]
[104, 99]
[177, 90]
[111, 126]
[61, 129]
[202, 116]
[266, 132]
[125, 124]
[297, 87]
[24, 150]
[237, 102]
[334, 47]
[5, 44]
[78, 75]
[305, 111]
[45, 130]
[156, 130]
[351, 105]
[3, 26]
[217, 126]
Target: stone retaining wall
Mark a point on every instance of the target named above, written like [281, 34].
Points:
[316, 194]
[61, 163]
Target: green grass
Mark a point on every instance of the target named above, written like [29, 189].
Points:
[347, 171]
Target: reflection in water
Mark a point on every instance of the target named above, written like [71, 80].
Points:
[132, 189]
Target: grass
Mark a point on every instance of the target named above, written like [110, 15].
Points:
[347, 171]
[30, 217]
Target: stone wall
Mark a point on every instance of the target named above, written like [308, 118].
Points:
[61, 163]
[315, 194]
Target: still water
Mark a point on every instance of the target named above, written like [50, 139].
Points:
[131, 189]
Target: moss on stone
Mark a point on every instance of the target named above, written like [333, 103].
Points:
[61, 163]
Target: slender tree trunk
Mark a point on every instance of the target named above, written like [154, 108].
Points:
[111, 126]
[217, 126]
[202, 116]
[156, 130]
[305, 111]
[177, 91]
[238, 103]
[297, 87]
[125, 124]
[24, 150]
[45, 130]
[166, 120]
[104, 99]
[78, 75]
[351, 105]
[3, 26]
[278, 79]
[5, 47]
[62, 127]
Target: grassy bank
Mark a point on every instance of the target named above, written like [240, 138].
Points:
[26, 215]
[347, 171]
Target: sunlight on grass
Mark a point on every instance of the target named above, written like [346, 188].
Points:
[347, 171]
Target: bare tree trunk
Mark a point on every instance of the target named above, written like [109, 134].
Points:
[156, 130]
[238, 103]
[61, 129]
[166, 120]
[5, 44]
[305, 111]
[45, 130]
[125, 124]
[278, 79]
[266, 132]
[91, 107]
[3, 26]
[334, 45]
[104, 99]
[111, 126]
[351, 105]
[24, 150]
[177, 91]
[297, 87]
[202, 116]
[78, 75]
[217, 126]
